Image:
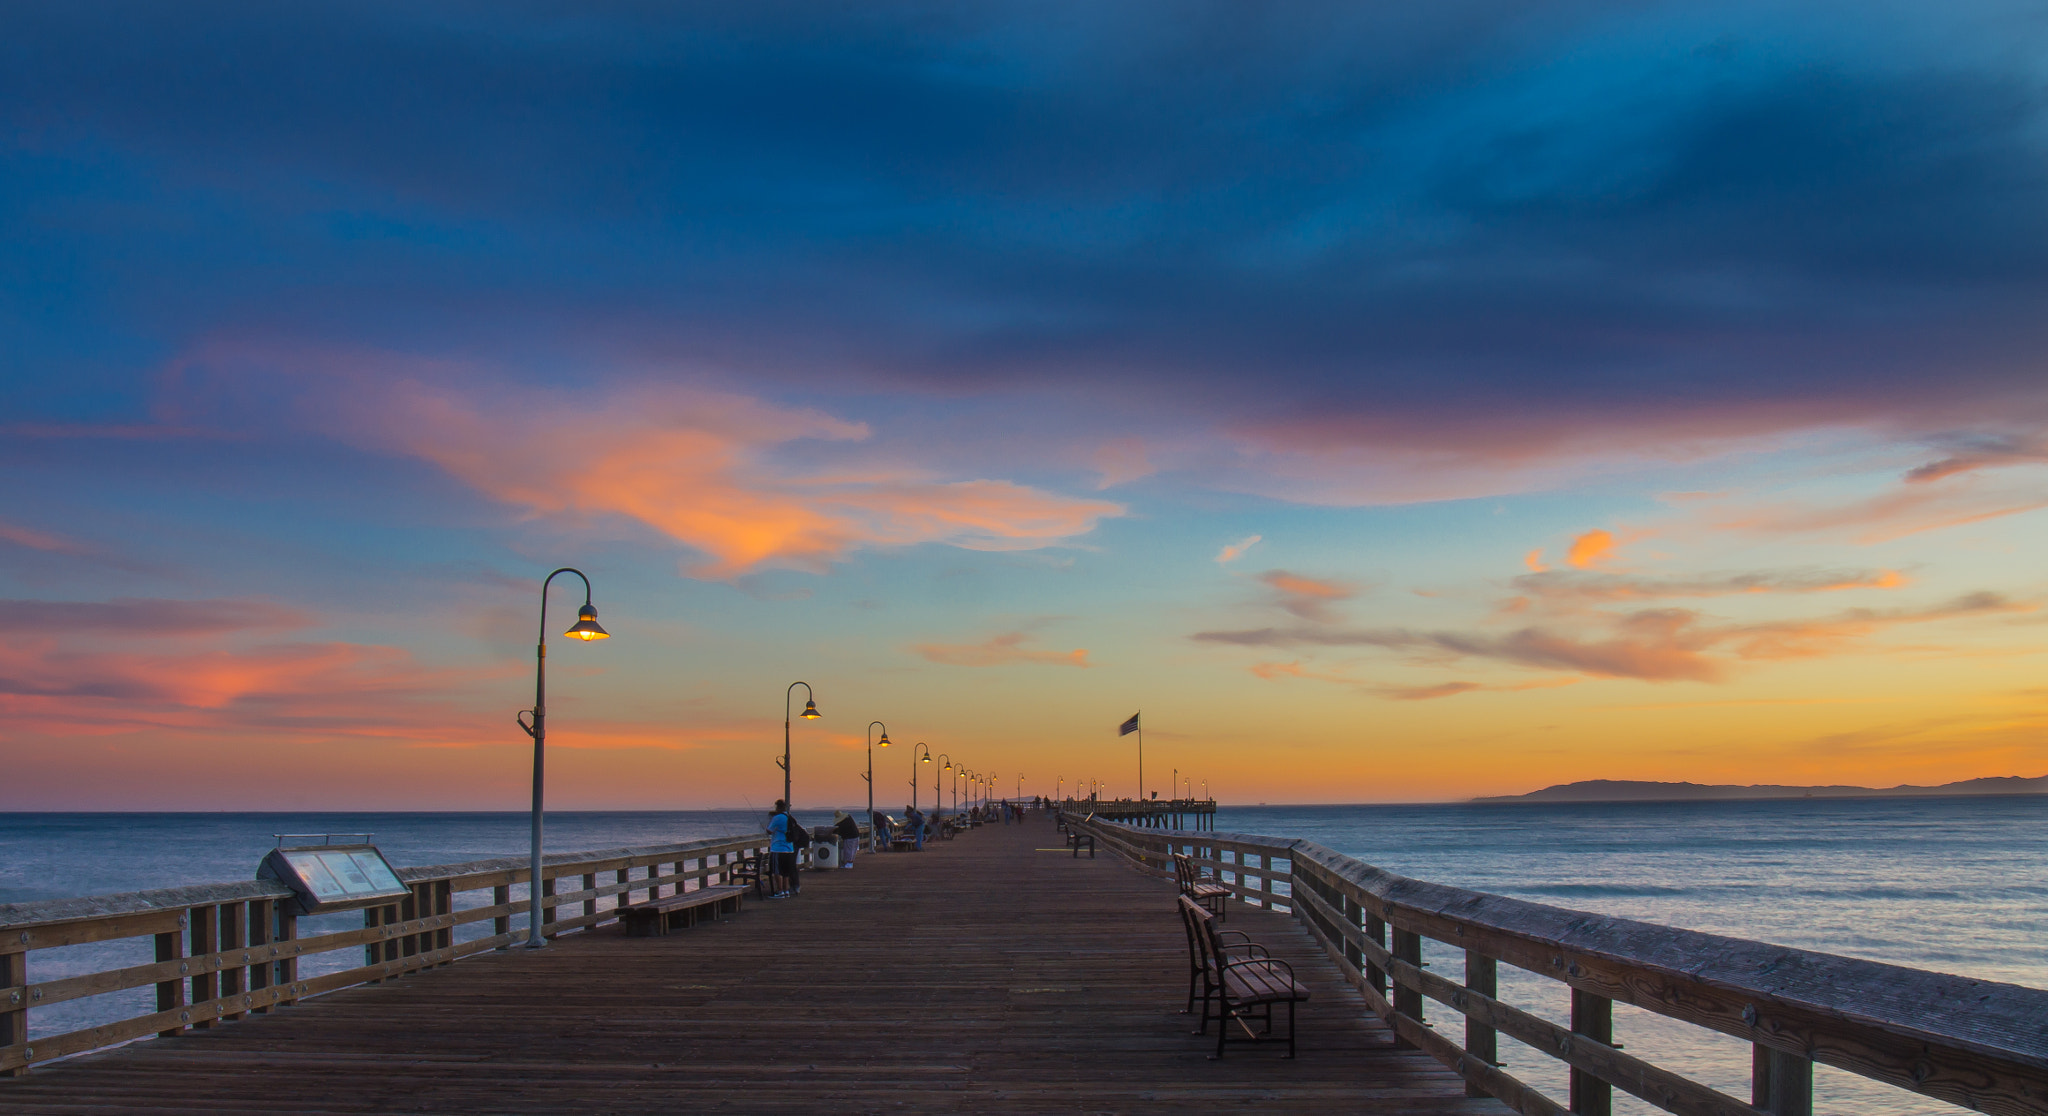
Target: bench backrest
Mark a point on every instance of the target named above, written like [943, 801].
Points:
[1184, 872]
[1203, 947]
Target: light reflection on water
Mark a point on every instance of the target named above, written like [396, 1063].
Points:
[1952, 884]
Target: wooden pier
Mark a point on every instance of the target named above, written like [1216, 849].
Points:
[992, 973]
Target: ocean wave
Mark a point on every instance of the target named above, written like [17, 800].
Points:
[1618, 891]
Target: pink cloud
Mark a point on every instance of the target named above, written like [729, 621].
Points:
[33, 539]
[1656, 645]
[147, 617]
[1002, 650]
[1307, 597]
[1573, 587]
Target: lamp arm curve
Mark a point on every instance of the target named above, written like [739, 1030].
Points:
[544, 596]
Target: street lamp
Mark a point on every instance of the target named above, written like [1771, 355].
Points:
[810, 713]
[535, 722]
[938, 796]
[914, 761]
[870, 776]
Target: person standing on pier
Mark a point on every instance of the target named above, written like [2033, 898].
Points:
[848, 832]
[781, 853]
[915, 820]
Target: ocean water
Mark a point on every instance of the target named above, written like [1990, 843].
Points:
[1954, 885]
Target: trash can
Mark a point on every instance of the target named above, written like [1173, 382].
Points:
[825, 854]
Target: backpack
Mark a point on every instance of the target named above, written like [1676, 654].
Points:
[799, 834]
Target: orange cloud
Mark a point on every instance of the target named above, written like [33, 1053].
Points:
[1307, 597]
[1002, 650]
[1234, 551]
[1591, 547]
[711, 470]
[1534, 560]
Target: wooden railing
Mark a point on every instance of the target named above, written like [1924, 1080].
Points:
[1979, 1044]
[223, 950]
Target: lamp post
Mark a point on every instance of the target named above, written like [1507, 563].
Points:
[870, 776]
[939, 796]
[535, 722]
[810, 713]
[914, 761]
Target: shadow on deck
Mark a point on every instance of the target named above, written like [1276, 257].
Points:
[983, 975]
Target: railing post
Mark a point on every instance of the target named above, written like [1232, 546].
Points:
[590, 904]
[1352, 953]
[287, 930]
[1593, 1017]
[1481, 976]
[233, 918]
[1780, 1083]
[1407, 1000]
[373, 950]
[200, 927]
[502, 925]
[14, 1003]
[444, 904]
[262, 917]
[547, 910]
[1376, 932]
[170, 994]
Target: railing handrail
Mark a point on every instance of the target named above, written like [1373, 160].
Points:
[1892, 1023]
[50, 912]
[225, 950]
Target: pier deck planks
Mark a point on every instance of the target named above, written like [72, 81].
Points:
[981, 975]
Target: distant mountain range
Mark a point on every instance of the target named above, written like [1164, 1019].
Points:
[1627, 790]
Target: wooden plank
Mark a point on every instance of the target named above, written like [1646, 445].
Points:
[909, 984]
[13, 1005]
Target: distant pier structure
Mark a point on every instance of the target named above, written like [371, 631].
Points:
[1154, 813]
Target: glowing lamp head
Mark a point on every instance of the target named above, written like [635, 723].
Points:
[586, 625]
[810, 712]
[926, 759]
[885, 738]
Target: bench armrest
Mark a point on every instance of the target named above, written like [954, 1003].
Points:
[1267, 961]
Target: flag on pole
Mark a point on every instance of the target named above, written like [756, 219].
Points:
[1128, 727]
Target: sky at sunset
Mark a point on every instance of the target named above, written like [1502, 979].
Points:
[1394, 402]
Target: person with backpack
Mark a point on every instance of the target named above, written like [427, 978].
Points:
[799, 840]
[848, 832]
[781, 852]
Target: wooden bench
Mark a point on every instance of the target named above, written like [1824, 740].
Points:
[1213, 896]
[1076, 838]
[659, 916]
[1241, 985]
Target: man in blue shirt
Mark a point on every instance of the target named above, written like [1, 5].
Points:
[781, 853]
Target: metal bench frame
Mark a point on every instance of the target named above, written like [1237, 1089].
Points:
[1241, 987]
[1211, 895]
